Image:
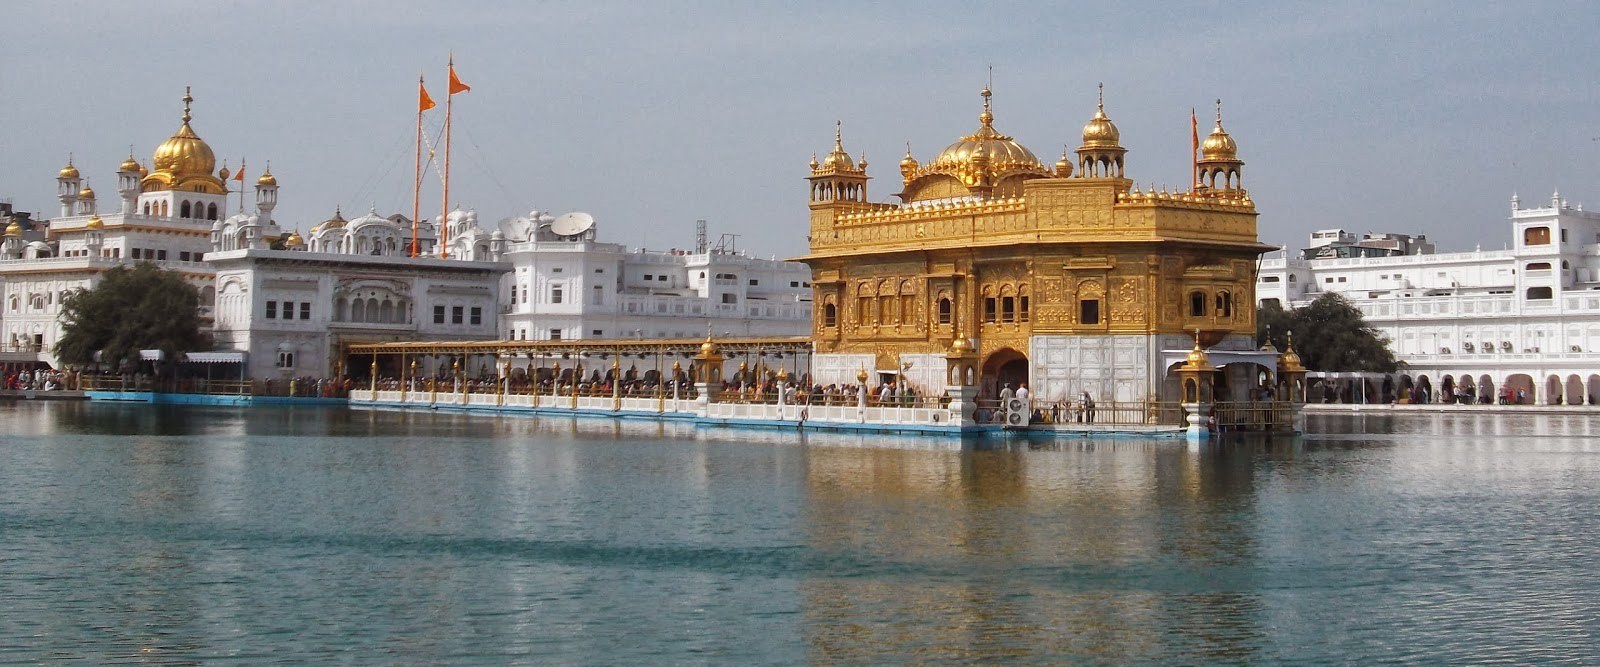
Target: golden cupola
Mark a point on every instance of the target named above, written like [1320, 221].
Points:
[838, 178]
[129, 166]
[86, 193]
[335, 222]
[184, 161]
[984, 162]
[267, 179]
[908, 165]
[1101, 155]
[68, 171]
[1220, 170]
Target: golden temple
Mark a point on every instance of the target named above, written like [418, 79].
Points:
[1064, 276]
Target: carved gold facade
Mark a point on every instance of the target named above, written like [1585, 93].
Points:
[990, 244]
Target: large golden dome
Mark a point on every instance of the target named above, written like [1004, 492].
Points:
[184, 161]
[68, 171]
[1004, 153]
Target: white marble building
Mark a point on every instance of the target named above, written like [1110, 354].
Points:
[1525, 318]
[291, 310]
[164, 215]
[565, 284]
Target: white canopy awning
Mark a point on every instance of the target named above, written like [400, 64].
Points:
[229, 357]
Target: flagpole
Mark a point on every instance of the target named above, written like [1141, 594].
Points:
[444, 218]
[1194, 147]
[241, 185]
[416, 188]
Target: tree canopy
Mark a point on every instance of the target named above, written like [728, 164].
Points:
[132, 309]
[1329, 334]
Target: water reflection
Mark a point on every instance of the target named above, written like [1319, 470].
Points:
[209, 534]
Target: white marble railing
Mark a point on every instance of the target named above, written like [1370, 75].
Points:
[839, 414]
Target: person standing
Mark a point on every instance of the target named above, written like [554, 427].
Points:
[1088, 408]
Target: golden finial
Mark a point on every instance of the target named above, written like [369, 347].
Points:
[1100, 102]
[838, 135]
[987, 117]
[814, 163]
[1219, 112]
[187, 100]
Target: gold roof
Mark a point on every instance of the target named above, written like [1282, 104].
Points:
[294, 240]
[1101, 132]
[184, 161]
[335, 222]
[129, 165]
[1218, 145]
[267, 178]
[68, 171]
[1004, 154]
[95, 223]
[13, 229]
[86, 193]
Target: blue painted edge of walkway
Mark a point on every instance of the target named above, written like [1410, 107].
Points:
[159, 398]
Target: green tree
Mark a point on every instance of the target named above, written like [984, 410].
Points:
[1329, 334]
[132, 309]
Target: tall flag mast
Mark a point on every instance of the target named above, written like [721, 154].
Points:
[455, 86]
[240, 178]
[1194, 149]
[424, 103]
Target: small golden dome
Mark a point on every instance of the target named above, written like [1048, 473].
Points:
[708, 348]
[814, 163]
[86, 193]
[908, 163]
[837, 158]
[960, 346]
[129, 165]
[1064, 165]
[68, 171]
[95, 223]
[1197, 357]
[13, 229]
[861, 376]
[1218, 145]
[267, 179]
[224, 173]
[294, 240]
[1100, 132]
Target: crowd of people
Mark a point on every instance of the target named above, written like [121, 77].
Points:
[40, 380]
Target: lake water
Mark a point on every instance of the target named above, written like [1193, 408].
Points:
[171, 535]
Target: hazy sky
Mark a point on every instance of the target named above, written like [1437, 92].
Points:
[1382, 116]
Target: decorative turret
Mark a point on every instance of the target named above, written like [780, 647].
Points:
[128, 183]
[838, 178]
[67, 183]
[86, 203]
[1101, 155]
[94, 234]
[267, 193]
[1064, 165]
[1219, 166]
[986, 162]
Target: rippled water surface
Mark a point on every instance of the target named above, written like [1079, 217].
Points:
[178, 535]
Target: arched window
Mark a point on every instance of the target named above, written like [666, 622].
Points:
[358, 311]
[1536, 236]
[211, 211]
[1540, 293]
[944, 310]
[830, 316]
[1197, 304]
[1292, 278]
[183, 212]
[386, 312]
[341, 309]
[1224, 304]
[165, 209]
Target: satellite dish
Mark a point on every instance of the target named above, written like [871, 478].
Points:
[572, 224]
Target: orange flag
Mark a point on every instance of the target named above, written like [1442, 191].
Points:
[455, 83]
[239, 176]
[424, 102]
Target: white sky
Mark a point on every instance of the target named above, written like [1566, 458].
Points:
[1406, 117]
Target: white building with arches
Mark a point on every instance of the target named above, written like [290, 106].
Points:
[1519, 324]
[168, 214]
